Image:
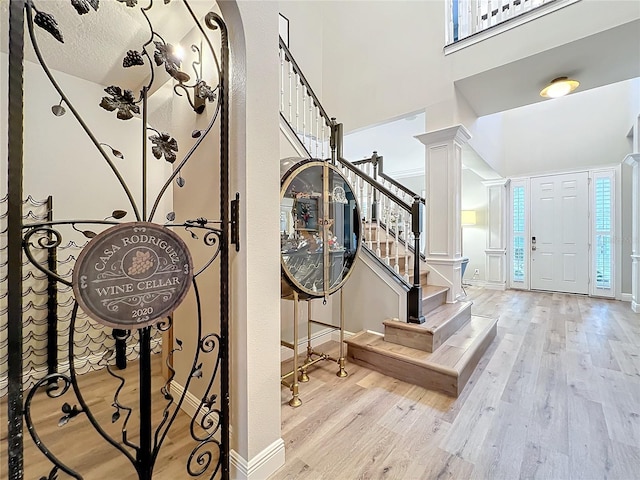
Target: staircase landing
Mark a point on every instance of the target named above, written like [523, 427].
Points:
[447, 369]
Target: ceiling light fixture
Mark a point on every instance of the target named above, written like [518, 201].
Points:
[559, 87]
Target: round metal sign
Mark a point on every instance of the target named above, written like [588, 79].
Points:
[133, 274]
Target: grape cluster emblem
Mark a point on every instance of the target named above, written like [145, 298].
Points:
[140, 263]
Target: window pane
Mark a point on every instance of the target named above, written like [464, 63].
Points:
[603, 261]
[518, 258]
[603, 204]
[518, 210]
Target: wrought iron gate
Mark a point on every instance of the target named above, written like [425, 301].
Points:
[135, 269]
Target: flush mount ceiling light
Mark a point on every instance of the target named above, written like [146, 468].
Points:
[559, 87]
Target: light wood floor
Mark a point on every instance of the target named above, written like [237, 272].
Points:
[79, 446]
[556, 396]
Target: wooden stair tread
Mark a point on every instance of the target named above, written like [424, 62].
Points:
[447, 369]
[434, 320]
[450, 357]
[432, 290]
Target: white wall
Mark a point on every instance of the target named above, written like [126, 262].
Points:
[474, 237]
[257, 447]
[306, 38]
[60, 160]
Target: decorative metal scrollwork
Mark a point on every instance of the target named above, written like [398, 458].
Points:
[43, 239]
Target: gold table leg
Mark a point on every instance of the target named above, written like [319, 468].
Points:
[304, 378]
[295, 399]
[341, 361]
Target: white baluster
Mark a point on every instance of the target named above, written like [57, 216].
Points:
[310, 125]
[317, 133]
[396, 265]
[290, 90]
[297, 103]
[407, 235]
[304, 114]
[282, 82]
[322, 144]
[384, 207]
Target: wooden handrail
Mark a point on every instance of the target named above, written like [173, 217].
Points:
[305, 82]
[381, 188]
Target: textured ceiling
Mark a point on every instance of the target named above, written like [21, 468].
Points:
[93, 49]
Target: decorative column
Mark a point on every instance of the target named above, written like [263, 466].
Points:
[443, 184]
[634, 160]
[497, 233]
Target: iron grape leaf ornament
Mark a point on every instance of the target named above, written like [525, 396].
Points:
[209, 402]
[122, 101]
[171, 216]
[164, 54]
[180, 181]
[48, 23]
[132, 58]
[69, 413]
[116, 416]
[88, 233]
[129, 3]
[164, 146]
[205, 91]
[118, 214]
[82, 6]
[197, 372]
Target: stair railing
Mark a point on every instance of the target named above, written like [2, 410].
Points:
[385, 204]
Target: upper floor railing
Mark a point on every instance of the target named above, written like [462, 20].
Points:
[469, 17]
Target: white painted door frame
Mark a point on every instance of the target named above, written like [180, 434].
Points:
[524, 283]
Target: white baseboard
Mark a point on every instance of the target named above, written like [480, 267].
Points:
[259, 467]
[485, 284]
[324, 336]
[626, 297]
[335, 335]
[319, 338]
[191, 402]
[635, 307]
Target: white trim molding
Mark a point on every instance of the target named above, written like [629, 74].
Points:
[634, 161]
[261, 466]
[443, 183]
[497, 232]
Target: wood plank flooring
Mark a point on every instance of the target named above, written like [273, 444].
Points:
[79, 446]
[556, 396]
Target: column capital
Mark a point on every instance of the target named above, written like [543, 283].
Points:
[457, 133]
[632, 159]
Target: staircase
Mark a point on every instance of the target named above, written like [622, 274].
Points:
[440, 344]
[439, 354]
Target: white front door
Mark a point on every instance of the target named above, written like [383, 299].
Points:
[560, 233]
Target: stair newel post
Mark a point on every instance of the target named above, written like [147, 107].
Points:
[374, 205]
[333, 141]
[414, 306]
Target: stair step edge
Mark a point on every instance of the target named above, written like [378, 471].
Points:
[400, 357]
[426, 328]
[421, 358]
